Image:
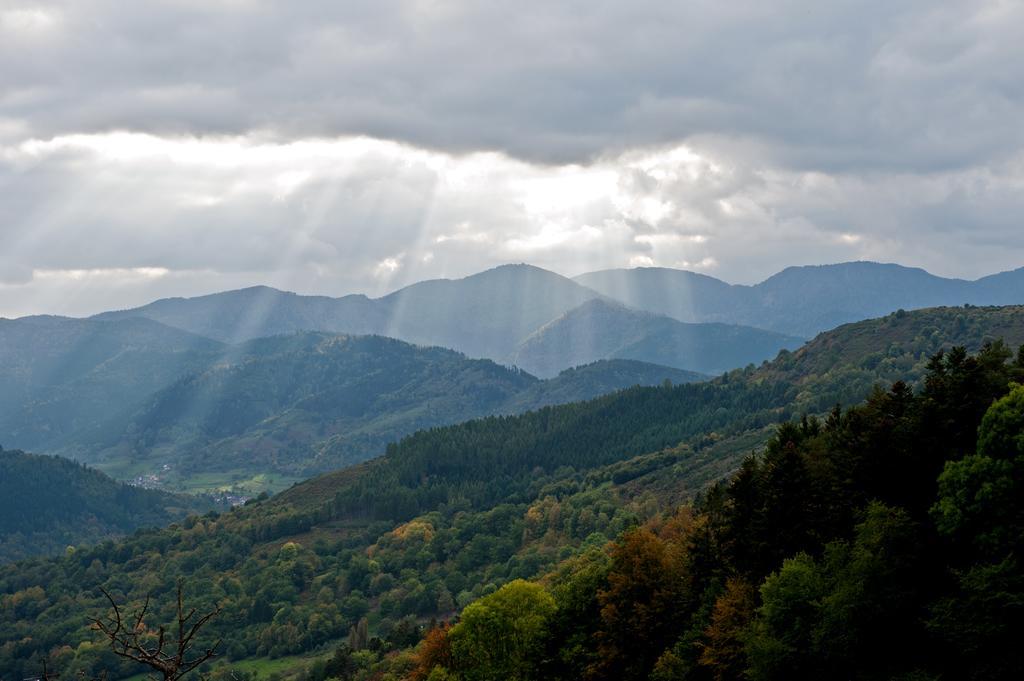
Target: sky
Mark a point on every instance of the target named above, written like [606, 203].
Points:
[180, 147]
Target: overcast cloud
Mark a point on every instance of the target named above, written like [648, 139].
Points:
[181, 147]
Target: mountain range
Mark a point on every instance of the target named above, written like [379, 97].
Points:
[491, 314]
[257, 381]
[801, 301]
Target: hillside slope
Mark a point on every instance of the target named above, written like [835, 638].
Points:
[61, 374]
[48, 503]
[312, 401]
[602, 377]
[600, 329]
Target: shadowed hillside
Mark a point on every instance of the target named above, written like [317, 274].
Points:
[310, 402]
[60, 375]
[48, 503]
[602, 329]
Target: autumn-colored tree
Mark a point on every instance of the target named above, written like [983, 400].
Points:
[434, 651]
[640, 606]
[723, 651]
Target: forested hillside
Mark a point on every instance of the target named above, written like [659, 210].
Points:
[881, 543]
[309, 402]
[452, 515]
[48, 504]
[598, 378]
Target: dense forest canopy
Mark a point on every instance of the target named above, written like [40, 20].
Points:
[880, 543]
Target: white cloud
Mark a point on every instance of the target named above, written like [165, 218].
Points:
[96, 213]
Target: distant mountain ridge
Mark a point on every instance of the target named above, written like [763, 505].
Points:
[801, 301]
[483, 315]
[601, 329]
[486, 315]
[491, 313]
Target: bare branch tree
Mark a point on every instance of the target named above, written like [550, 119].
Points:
[171, 660]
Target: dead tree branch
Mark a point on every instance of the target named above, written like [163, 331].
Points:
[171, 660]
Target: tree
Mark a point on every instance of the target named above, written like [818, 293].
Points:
[723, 650]
[782, 636]
[641, 607]
[853, 613]
[575, 587]
[171, 659]
[434, 652]
[980, 508]
[359, 635]
[501, 635]
[981, 496]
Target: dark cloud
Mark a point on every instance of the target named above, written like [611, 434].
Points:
[840, 85]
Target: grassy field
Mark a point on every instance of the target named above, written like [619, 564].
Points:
[236, 481]
[283, 668]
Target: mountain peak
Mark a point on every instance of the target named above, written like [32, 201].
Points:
[515, 270]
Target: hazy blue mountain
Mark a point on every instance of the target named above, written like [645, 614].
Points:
[484, 315]
[812, 299]
[489, 314]
[1005, 288]
[48, 503]
[60, 374]
[682, 295]
[313, 401]
[259, 311]
[801, 301]
[600, 329]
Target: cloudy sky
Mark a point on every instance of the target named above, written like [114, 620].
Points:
[177, 147]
